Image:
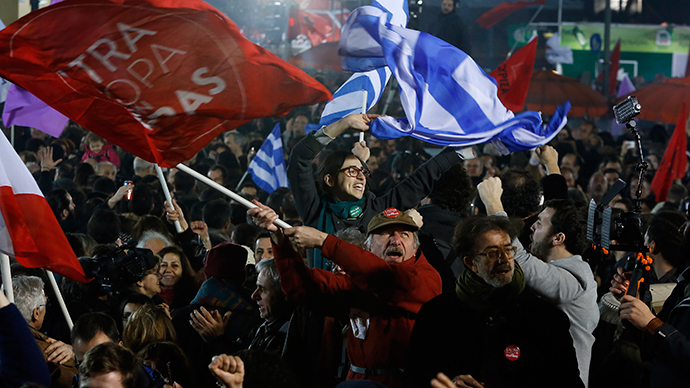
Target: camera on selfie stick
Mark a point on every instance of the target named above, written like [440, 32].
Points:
[625, 228]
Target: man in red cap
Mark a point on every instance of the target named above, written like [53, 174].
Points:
[381, 298]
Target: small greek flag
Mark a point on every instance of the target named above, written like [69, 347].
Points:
[268, 166]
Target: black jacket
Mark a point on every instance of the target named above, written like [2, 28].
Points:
[452, 338]
[404, 196]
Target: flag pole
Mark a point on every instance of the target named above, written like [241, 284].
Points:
[7, 277]
[364, 110]
[60, 300]
[250, 157]
[389, 97]
[241, 200]
[166, 192]
[512, 49]
[12, 139]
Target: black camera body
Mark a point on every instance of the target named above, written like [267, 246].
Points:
[625, 228]
[116, 270]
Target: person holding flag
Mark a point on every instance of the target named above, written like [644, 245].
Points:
[342, 199]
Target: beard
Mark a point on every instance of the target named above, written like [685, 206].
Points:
[540, 249]
[495, 281]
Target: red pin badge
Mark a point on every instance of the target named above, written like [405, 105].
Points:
[391, 212]
[512, 352]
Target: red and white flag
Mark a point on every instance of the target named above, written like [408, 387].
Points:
[514, 75]
[160, 78]
[28, 228]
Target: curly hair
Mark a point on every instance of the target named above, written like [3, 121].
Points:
[470, 229]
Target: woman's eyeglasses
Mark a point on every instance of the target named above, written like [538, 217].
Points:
[354, 171]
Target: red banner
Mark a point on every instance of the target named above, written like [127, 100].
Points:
[161, 78]
[514, 75]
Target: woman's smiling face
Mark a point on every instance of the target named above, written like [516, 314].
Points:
[171, 269]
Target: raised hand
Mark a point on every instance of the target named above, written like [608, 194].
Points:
[229, 370]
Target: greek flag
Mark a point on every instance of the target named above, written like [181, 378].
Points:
[447, 98]
[348, 99]
[268, 166]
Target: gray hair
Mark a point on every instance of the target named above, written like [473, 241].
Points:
[237, 137]
[368, 242]
[352, 235]
[28, 294]
[141, 165]
[269, 265]
[153, 235]
[104, 163]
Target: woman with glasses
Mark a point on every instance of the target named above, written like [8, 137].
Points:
[340, 198]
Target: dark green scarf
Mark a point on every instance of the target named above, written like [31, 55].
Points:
[350, 210]
[475, 293]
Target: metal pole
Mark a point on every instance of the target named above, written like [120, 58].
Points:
[607, 47]
[512, 49]
[12, 135]
[241, 200]
[7, 277]
[168, 197]
[60, 300]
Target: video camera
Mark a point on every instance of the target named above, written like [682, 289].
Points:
[119, 268]
[625, 228]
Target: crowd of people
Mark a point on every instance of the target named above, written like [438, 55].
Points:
[405, 266]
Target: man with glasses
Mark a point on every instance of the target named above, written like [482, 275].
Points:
[554, 268]
[492, 331]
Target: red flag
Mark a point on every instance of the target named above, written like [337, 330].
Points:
[514, 75]
[674, 161]
[28, 228]
[614, 64]
[318, 27]
[493, 16]
[160, 78]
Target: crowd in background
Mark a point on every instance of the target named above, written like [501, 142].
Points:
[206, 295]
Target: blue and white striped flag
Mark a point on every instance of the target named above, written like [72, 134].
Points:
[268, 166]
[447, 97]
[348, 99]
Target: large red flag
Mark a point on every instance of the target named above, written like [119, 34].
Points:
[674, 161]
[493, 16]
[614, 65]
[513, 76]
[160, 78]
[28, 228]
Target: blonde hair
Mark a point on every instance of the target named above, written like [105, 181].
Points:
[147, 325]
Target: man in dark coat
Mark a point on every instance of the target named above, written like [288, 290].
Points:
[492, 331]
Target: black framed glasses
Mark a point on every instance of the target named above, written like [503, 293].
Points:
[354, 171]
[495, 253]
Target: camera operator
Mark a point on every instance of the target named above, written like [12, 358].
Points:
[123, 271]
[666, 340]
